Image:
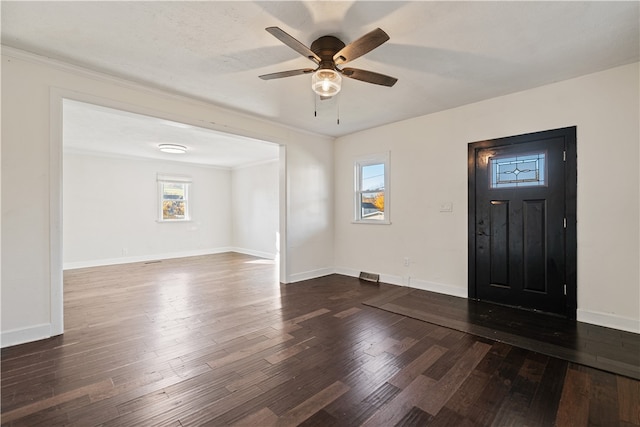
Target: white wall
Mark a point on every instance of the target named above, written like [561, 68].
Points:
[32, 91]
[314, 208]
[110, 211]
[254, 206]
[429, 168]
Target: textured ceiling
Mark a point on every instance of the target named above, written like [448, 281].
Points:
[444, 54]
[97, 129]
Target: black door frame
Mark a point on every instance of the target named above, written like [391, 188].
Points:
[571, 248]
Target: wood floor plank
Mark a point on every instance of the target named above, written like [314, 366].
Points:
[368, 392]
[348, 312]
[386, 295]
[444, 388]
[103, 407]
[409, 373]
[56, 400]
[320, 419]
[573, 408]
[446, 418]
[514, 408]
[603, 405]
[248, 351]
[306, 409]
[251, 379]
[307, 316]
[400, 347]
[629, 400]
[394, 411]
[457, 346]
[264, 418]
[487, 405]
[380, 347]
[354, 409]
[416, 417]
[544, 405]
[142, 401]
[288, 352]
[464, 401]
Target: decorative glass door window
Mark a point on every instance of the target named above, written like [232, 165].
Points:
[520, 171]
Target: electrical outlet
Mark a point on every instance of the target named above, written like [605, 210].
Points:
[407, 261]
[125, 251]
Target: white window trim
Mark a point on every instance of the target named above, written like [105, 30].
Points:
[181, 179]
[372, 159]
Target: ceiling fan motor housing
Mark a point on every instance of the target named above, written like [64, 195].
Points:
[326, 47]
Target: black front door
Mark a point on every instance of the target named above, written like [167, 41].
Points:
[518, 221]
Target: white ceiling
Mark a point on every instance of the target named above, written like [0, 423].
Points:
[444, 54]
[96, 129]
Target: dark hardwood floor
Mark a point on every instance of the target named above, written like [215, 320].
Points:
[603, 348]
[215, 340]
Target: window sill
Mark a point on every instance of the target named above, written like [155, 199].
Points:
[374, 222]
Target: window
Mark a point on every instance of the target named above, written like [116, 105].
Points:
[174, 197]
[372, 189]
[521, 171]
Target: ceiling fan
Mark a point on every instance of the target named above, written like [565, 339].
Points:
[328, 52]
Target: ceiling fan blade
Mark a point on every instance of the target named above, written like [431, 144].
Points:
[289, 73]
[293, 43]
[359, 47]
[369, 76]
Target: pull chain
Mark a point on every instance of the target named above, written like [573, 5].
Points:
[315, 108]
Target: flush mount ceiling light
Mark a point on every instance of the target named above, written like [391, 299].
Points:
[172, 148]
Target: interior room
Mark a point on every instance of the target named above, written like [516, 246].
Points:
[234, 184]
[380, 213]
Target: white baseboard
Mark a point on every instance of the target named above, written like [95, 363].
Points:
[24, 335]
[259, 254]
[608, 320]
[439, 288]
[306, 275]
[346, 271]
[143, 258]
[410, 282]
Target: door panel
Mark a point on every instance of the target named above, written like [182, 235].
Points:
[534, 245]
[499, 242]
[517, 221]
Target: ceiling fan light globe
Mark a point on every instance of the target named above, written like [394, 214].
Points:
[326, 82]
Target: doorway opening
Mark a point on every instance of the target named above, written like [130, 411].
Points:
[105, 164]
